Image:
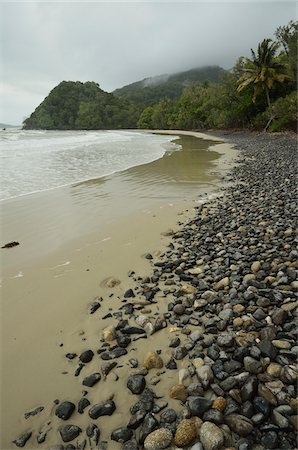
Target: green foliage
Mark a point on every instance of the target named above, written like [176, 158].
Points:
[75, 105]
[287, 36]
[263, 70]
[151, 90]
[257, 92]
[284, 112]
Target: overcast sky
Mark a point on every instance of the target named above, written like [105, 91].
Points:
[116, 43]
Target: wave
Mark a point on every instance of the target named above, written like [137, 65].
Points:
[41, 161]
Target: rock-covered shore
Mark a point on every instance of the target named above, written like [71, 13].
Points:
[217, 316]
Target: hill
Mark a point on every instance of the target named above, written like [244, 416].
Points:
[151, 90]
[74, 105]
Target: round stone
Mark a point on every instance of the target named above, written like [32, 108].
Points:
[211, 436]
[179, 309]
[65, 410]
[178, 392]
[186, 433]
[153, 360]
[69, 432]
[158, 439]
[86, 356]
[136, 383]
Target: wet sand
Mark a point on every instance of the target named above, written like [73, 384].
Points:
[68, 247]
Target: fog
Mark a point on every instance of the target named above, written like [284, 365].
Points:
[116, 43]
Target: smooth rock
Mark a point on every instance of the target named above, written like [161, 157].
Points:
[211, 436]
[153, 360]
[21, 441]
[92, 379]
[121, 434]
[65, 410]
[239, 424]
[69, 432]
[86, 356]
[179, 392]
[198, 405]
[205, 375]
[186, 433]
[136, 383]
[158, 439]
[102, 409]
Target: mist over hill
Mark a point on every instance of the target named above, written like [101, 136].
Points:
[75, 105]
[151, 90]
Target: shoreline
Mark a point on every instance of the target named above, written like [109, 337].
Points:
[217, 307]
[138, 234]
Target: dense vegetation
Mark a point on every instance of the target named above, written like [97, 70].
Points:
[75, 105]
[151, 90]
[259, 93]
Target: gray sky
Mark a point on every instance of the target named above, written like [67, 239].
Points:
[116, 43]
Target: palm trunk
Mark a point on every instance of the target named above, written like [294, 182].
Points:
[269, 108]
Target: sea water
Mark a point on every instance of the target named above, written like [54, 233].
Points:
[39, 160]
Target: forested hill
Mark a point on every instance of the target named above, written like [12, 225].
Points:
[74, 105]
[151, 90]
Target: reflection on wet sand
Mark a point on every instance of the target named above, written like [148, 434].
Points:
[175, 175]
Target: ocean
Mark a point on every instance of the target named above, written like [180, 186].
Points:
[38, 160]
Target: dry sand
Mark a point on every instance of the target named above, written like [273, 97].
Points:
[44, 309]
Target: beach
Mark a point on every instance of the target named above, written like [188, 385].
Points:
[173, 327]
[49, 281]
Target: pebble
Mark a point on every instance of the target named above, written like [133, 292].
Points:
[65, 410]
[21, 441]
[102, 409]
[158, 439]
[186, 433]
[136, 383]
[121, 434]
[198, 405]
[69, 432]
[153, 361]
[86, 356]
[211, 436]
[226, 283]
[179, 392]
[239, 424]
[92, 379]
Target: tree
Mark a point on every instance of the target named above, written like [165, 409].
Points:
[287, 37]
[263, 70]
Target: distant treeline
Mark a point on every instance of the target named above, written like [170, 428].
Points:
[258, 93]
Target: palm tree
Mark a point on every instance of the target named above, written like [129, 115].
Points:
[263, 70]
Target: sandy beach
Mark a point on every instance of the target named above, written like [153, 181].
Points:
[49, 282]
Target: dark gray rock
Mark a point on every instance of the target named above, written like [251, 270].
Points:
[136, 419]
[102, 409]
[198, 405]
[65, 410]
[121, 434]
[239, 424]
[130, 445]
[249, 388]
[225, 340]
[69, 432]
[136, 383]
[179, 352]
[83, 403]
[21, 441]
[86, 356]
[149, 424]
[168, 415]
[113, 354]
[92, 379]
